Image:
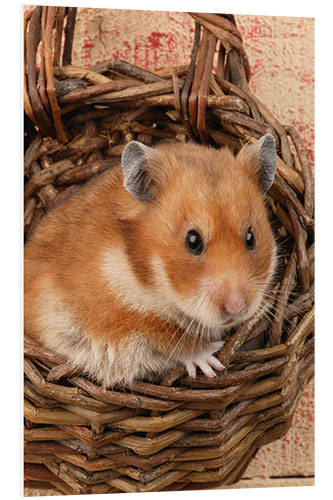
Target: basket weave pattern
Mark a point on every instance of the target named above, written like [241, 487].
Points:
[173, 433]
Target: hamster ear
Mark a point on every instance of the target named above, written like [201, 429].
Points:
[260, 157]
[136, 177]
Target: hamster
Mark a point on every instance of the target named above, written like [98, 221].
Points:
[150, 264]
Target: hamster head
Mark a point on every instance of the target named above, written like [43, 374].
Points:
[202, 228]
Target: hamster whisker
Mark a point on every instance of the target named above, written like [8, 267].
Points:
[197, 333]
[180, 341]
[274, 298]
[271, 313]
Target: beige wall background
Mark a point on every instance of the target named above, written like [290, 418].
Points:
[281, 54]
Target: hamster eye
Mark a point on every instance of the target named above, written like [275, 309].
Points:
[193, 242]
[250, 241]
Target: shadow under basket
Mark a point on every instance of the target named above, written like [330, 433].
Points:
[174, 433]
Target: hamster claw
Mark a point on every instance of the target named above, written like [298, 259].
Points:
[205, 361]
[191, 369]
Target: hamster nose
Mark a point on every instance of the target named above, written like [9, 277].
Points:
[234, 304]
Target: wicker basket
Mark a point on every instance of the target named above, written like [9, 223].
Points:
[175, 433]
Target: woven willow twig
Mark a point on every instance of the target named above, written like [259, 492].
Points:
[172, 433]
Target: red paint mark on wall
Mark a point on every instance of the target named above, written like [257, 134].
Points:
[260, 28]
[155, 39]
[88, 45]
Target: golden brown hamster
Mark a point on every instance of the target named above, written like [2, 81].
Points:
[150, 264]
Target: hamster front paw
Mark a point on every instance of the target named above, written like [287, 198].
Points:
[205, 361]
